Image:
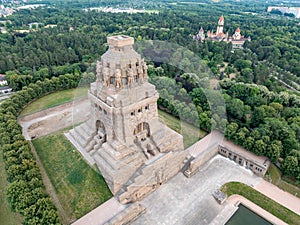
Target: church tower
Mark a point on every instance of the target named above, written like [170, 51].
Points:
[220, 25]
[133, 150]
[237, 34]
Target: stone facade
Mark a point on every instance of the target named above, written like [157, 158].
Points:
[215, 143]
[134, 151]
[257, 164]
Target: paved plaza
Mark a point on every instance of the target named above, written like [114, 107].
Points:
[185, 200]
[189, 200]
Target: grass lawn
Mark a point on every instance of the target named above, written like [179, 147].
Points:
[289, 188]
[7, 217]
[275, 175]
[263, 201]
[55, 99]
[79, 187]
[190, 133]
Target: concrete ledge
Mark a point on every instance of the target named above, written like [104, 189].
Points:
[102, 214]
[128, 215]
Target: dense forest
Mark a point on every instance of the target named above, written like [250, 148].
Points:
[79, 38]
[256, 103]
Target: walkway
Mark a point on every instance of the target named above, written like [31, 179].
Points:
[101, 214]
[284, 198]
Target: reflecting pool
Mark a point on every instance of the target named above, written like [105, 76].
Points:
[244, 216]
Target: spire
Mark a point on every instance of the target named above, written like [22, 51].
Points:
[220, 25]
[221, 20]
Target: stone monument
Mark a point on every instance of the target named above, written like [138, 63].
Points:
[133, 150]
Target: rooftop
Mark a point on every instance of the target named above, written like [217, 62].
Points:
[120, 40]
[3, 88]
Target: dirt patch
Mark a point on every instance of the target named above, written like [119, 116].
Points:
[214, 83]
[50, 120]
[232, 75]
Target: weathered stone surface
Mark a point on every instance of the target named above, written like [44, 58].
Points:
[128, 215]
[134, 151]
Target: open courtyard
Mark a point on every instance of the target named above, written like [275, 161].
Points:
[189, 200]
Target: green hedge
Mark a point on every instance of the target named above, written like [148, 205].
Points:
[25, 190]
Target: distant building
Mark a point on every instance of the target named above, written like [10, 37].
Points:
[3, 30]
[293, 10]
[3, 80]
[200, 36]
[50, 26]
[4, 88]
[34, 25]
[236, 39]
[5, 11]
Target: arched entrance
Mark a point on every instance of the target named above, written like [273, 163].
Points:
[142, 131]
[142, 140]
[100, 132]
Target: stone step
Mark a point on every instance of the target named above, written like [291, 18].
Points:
[103, 165]
[135, 159]
[122, 149]
[89, 123]
[169, 142]
[115, 165]
[88, 129]
[111, 151]
[92, 152]
[90, 145]
[71, 132]
[80, 131]
[77, 138]
[97, 146]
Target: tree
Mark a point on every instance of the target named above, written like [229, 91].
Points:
[204, 121]
[249, 143]
[259, 147]
[274, 150]
[231, 130]
[236, 109]
[290, 165]
[241, 135]
[241, 64]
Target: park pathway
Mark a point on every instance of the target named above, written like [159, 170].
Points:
[284, 198]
